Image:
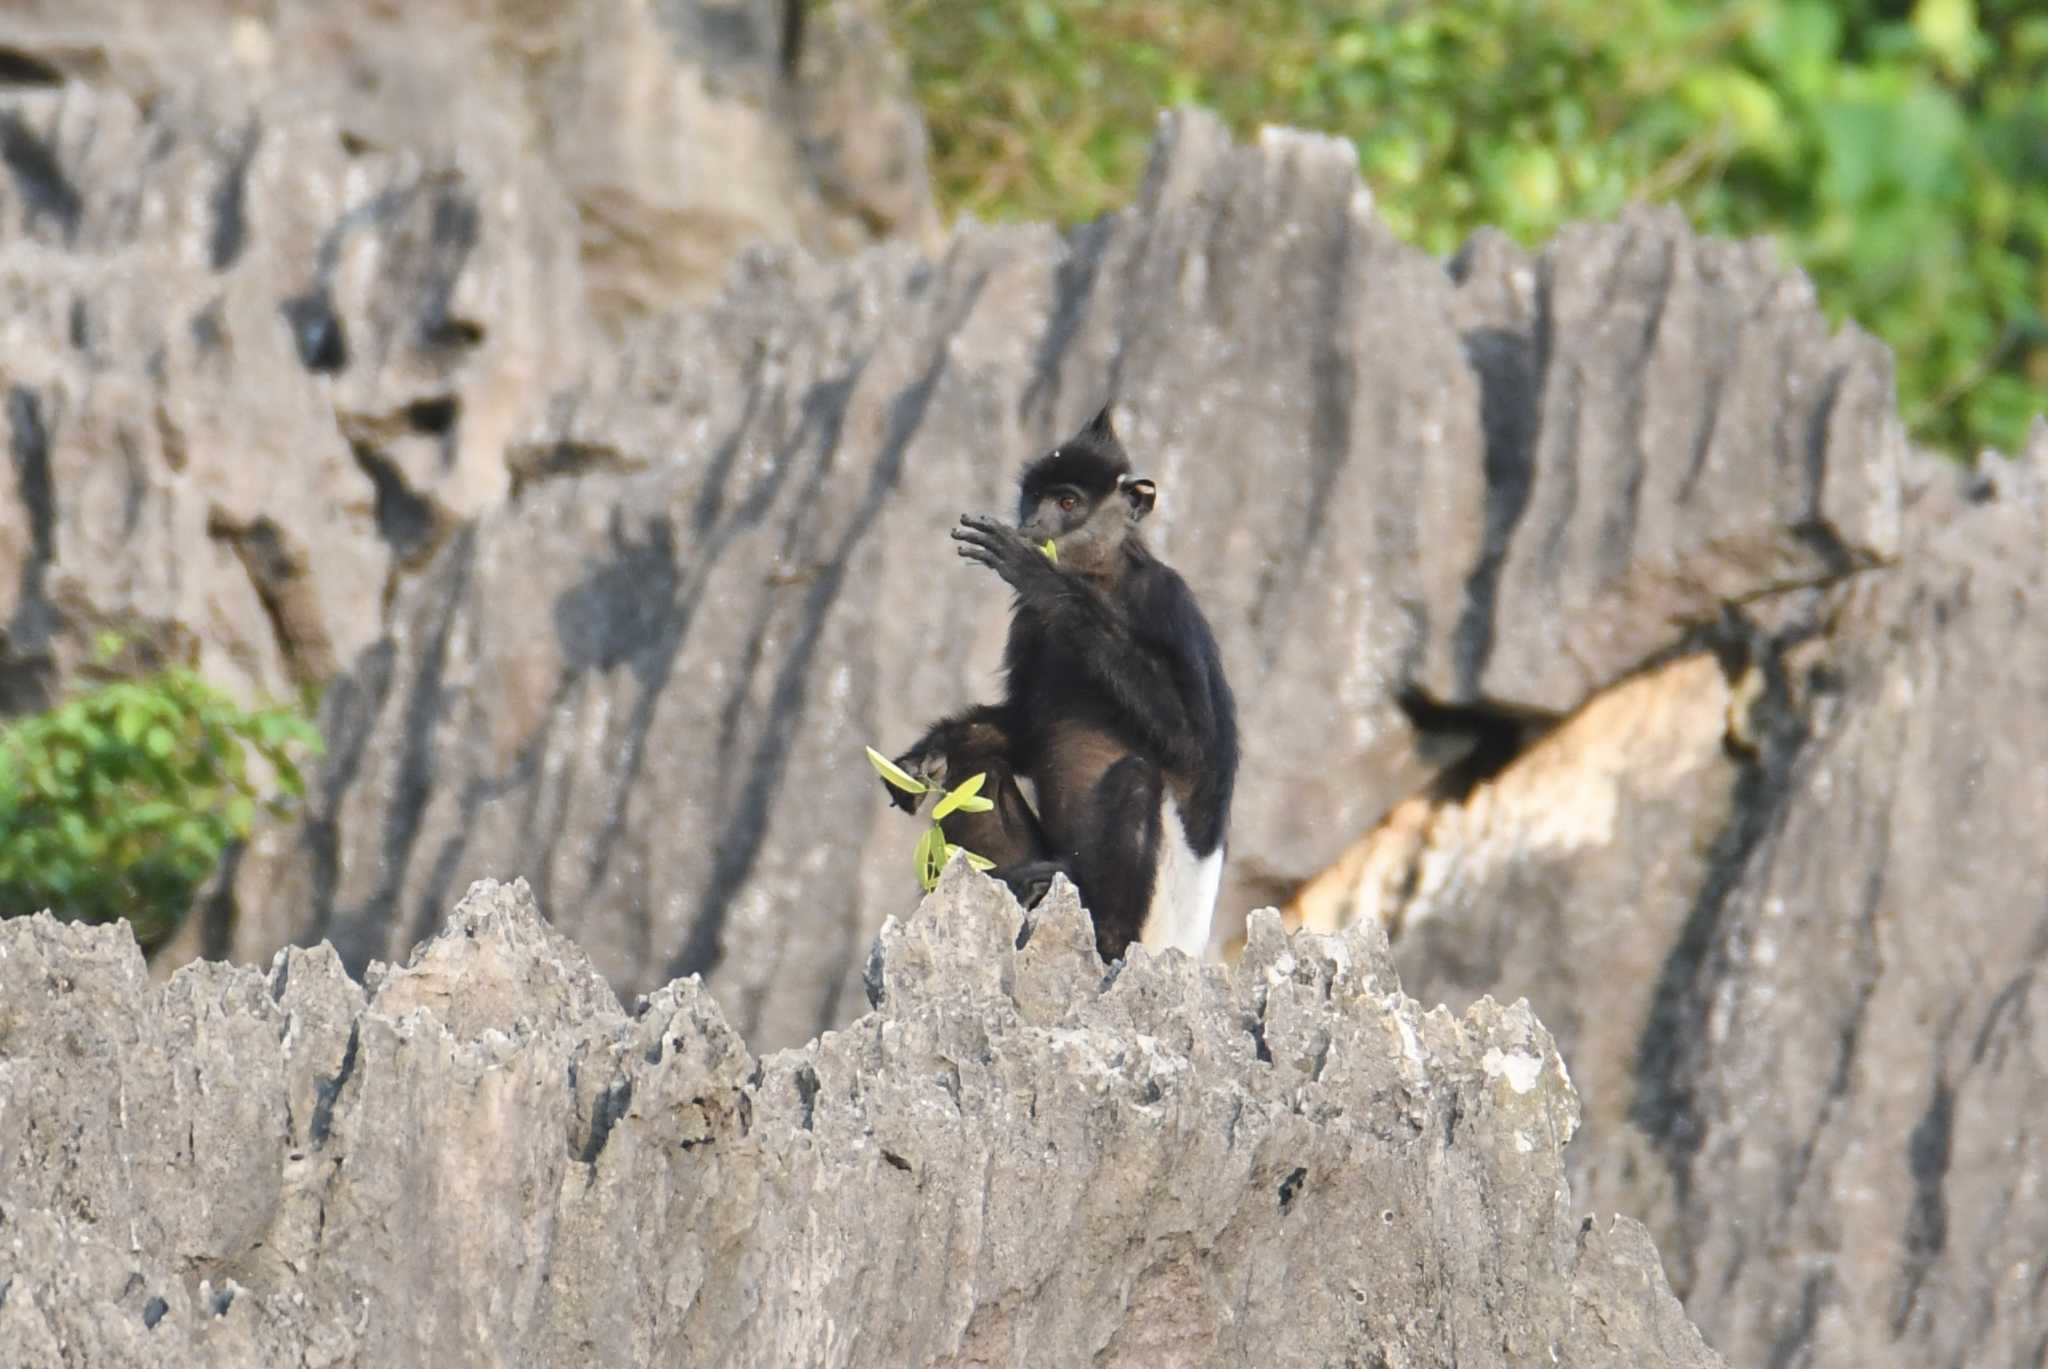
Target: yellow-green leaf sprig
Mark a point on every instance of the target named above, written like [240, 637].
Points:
[933, 850]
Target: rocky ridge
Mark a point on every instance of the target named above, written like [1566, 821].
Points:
[1013, 1158]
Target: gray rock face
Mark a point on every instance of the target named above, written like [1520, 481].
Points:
[282, 289]
[252, 375]
[1013, 1159]
[1783, 913]
[680, 130]
[733, 533]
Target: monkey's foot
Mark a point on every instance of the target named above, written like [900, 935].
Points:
[1030, 881]
[927, 766]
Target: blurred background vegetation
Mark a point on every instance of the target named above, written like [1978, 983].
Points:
[1897, 151]
[120, 801]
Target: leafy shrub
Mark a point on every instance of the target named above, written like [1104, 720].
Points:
[1899, 151]
[118, 803]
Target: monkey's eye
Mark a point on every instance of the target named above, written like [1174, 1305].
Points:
[1067, 503]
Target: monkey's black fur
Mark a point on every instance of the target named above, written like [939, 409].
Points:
[1115, 697]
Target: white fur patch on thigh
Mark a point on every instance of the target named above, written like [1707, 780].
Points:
[1184, 888]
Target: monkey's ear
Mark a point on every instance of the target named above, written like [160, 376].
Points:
[1099, 426]
[1141, 493]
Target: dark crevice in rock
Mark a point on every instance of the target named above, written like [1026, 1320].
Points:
[806, 1081]
[1928, 1151]
[790, 42]
[230, 219]
[278, 572]
[871, 980]
[317, 331]
[25, 674]
[1256, 1027]
[348, 719]
[21, 68]
[435, 416]
[153, 1312]
[214, 912]
[1510, 366]
[407, 521]
[605, 1113]
[1290, 1186]
[328, 1091]
[1488, 740]
[1073, 292]
[1617, 535]
[1815, 457]
[1794, 1344]
[414, 785]
[40, 179]
[1333, 378]
[1672, 1053]
[451, 239]
[532, 464]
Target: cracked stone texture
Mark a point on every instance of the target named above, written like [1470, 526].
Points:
[680, 130]
[1781, 904]
[645, 682]
[283, 284]
[478, 1158]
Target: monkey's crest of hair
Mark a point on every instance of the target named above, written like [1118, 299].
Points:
[1091, 461]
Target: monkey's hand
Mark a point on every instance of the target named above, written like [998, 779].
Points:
[1006, 551]
[925, 761]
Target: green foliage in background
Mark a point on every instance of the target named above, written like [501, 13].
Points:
[1898, 150]
[119, 803]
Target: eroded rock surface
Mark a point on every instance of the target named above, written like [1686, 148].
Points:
[1013, 1158]
[282, 285]
[1784, 916]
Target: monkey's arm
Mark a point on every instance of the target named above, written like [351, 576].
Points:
[1149, 664]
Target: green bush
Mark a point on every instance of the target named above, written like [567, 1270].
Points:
[119, 802]
[1898, 151]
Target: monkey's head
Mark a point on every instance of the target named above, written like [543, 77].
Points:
[1082, 495]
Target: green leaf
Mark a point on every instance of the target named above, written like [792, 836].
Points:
[1949, 29]
[1052, 553]
[978, 862]
[963, 798]
[929, 847]
[894, 773]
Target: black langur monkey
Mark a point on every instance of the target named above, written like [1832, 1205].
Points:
[1115, 709]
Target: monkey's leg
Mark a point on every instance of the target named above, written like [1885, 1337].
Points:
[1031, 880]
[1117, 860]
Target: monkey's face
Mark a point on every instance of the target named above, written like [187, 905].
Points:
[1087, 527]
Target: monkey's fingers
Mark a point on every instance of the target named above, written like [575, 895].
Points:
[992, 538]
[977, 546]
[981, 556]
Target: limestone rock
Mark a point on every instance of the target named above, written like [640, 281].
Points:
[283, 285]
[681, 130]
[1782, 913]
[1014, 1158]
